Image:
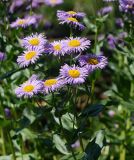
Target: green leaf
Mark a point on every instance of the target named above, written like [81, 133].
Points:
[60, 144]
[4, 122]
[67, 121]
[93, 149]
[92, 110]
[78, 156]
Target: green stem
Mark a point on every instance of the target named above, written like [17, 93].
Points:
[71, 32]
[122, 153]
[3, 141]
[132, 89]
[61, 123]
[81, 143]
[31, 9]
[96, 35]
[92, 90]
[73, 154]
[12, 146]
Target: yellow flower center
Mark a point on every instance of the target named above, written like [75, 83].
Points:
[29, 55]
[34, 41]
[21, 21]
[74, 43]
[71, 12]
[50, 82]
[74, 73]
[72, 19]
[28, 88]
[93, 61]
[57, 47]
[53, 1]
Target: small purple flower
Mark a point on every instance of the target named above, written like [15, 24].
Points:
[2, 56]
[77, 44]
[30, 88]
[7, 112]
[48, 48]
[111, 113]
[58, 48]
[105, 10]
[92, 62]
[127, 6]
[61, 13]
[29, 57]
[109, 0]
[34, 40]
[53, 84]
[71, 21]
[76, 144]
[111, 41]
[16, 3]
[23, 22]
[36, 3]
[119, 23]
[120, 38]
[53, 2]
[73, 74]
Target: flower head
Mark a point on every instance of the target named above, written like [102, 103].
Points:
[109, 0]
[105, 10]
[48, 48]
[29, 57]
[127, 6]
[35, 40]
[2, 56]
[53, 2]
[112, 40]
[92, 61]
[61, 13]
[58, 48]
[76, 44]
[30, 88]
[119, 22]
[73, 74]
[71, 21]
[53, 84]
[23, 22]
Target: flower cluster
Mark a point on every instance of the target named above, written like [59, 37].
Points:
[127, 5]
[36, 45]
[34, 3]
[71, 18]
[23, 22]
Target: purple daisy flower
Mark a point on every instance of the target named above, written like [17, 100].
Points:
[30, 88]
[16, 3]
[111, 41]
[35, 3]
[58, 48]
[61, 13]
[2, 56]
[71, 21]
[35, 40]
[23, 22]
[77, 44]
[73, 74]
[109, 0]
[105, 10]
[48, 48]
[92, 61]
[119, 22]
[29, 57]
[53, 2]
[127, 5]
[53, 84]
